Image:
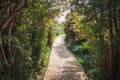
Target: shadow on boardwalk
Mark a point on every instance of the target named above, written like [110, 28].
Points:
[62, 65]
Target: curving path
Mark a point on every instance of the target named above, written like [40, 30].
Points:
[62, 64]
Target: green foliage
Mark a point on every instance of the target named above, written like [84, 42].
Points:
[14, 40]
[116, 40]
[84, 45]
[82, 52]
[30, 41]
[59, 29]
[76, 48]
[28, 35]
[99, 25]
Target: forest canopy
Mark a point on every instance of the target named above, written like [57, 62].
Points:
[28, 29]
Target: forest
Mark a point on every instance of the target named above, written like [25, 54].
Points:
[29, 27]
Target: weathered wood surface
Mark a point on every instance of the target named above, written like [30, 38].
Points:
[62, 64]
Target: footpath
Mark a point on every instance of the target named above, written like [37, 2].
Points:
[62, 64]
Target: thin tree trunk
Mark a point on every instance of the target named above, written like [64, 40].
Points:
[111, 37]
[2, 53]
[115, 17]
[119, 18]
[8, 41]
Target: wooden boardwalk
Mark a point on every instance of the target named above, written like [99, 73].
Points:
[62, 64]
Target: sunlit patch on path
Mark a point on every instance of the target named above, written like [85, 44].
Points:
[62, 64]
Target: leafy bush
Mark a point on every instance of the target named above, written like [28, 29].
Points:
[88, 61]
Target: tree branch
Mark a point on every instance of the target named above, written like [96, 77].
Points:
[10, 17]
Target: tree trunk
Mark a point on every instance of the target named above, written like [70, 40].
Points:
[8, 40]
[111, 38]
[49, 37]
[2, 53]
[115, 17]
[119, 18]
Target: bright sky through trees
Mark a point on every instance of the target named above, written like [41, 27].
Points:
[62, 17]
